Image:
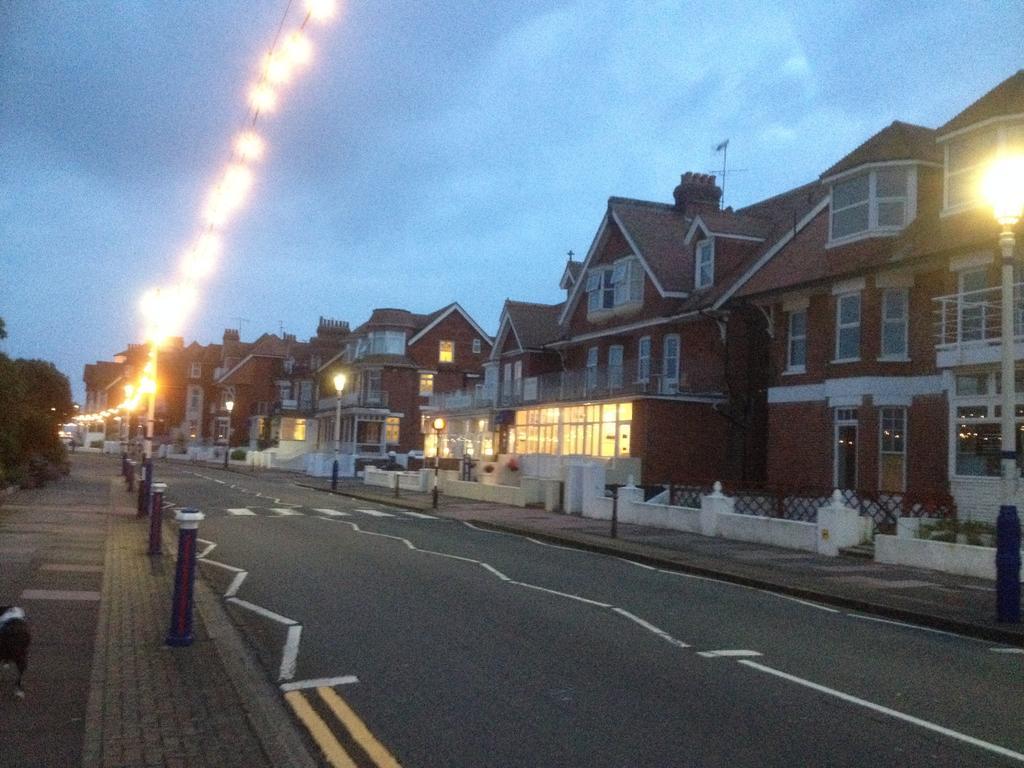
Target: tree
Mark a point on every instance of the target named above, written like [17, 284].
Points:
[35, 399]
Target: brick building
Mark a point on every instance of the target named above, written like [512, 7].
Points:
[885, 316]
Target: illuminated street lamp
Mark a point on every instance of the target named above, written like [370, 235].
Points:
[230, 406]
[438, 424]
[1003, 188]
[339, 387]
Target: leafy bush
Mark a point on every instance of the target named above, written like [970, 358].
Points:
[238, 454]
[96, 444]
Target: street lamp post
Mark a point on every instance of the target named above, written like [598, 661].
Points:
[1003, 186]
[339, 387]
[230, 406]
[438, 425]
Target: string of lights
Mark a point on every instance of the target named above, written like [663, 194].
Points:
[165, 309]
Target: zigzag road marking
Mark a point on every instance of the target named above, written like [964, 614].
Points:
[285, 512]
[331, 512]
[240, 512]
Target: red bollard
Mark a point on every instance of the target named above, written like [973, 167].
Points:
[156, 518]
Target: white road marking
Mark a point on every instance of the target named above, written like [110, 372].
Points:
[320, 682]
[285, 512]
[914, 626]
[495, 571]
[218, 481]
[236, 584]
[375, 513]
[290, 655]
[331, 512]
[225, 566]
[262, 611]
[445, 554]
[737, 653]
[561, 594]
[484, 530]
[1007, 650]
[211, 546]
[638, 565]
[418, 514]
[651, 628]
[1003, 751]
[286, 503]
[240, 511]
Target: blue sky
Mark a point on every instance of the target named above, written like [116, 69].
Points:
[434, 152]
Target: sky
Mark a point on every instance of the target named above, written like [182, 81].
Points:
[433, 151]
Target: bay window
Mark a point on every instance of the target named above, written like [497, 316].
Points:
[879, 200]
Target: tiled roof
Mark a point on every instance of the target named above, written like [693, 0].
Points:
[575, 269]
[658, 230]
[729, 223]
[898, 141]
[1007, 98]
[535, 324]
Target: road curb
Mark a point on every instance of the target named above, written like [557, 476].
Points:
[272, 724]
[636, 553]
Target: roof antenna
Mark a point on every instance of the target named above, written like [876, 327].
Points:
[238, 323]
[723, 147]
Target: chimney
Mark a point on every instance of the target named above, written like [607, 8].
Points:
[697, 192]
[330, 327]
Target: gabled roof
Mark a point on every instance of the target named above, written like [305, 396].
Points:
[656, 231]
[431, 320]
[571, 274]
[1005, 99]
[729, 224]
[534, 325]
[897, 141]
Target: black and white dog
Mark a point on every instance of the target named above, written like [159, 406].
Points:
[14, 642]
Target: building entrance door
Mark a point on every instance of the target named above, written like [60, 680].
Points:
[846, 448]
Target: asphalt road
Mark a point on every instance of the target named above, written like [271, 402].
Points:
[474, 648]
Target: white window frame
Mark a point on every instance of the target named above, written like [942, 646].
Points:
[441, 350]
[845, 417]
[477, 345]
[840, 326]
[670, 378]
[704, 263]
[885, 420]
[909, 200]
[643, 360]
[426, 375]
[196, 371]
[615, 366]
[591, 371]
[902, 323]
[517, 377]
[792, 337]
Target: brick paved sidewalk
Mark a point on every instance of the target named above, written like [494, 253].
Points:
[150, 705]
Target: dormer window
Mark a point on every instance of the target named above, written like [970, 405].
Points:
[615, 286]
[705, 264]
[879, 200]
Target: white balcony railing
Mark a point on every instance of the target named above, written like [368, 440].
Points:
[968, 325]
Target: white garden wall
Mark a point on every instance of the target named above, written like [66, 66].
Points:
[961, 559]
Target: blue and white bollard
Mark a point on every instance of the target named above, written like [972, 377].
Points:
[156, 518]
[1008, 565]
[180, 633]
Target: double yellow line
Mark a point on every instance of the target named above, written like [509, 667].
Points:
[325, 738]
